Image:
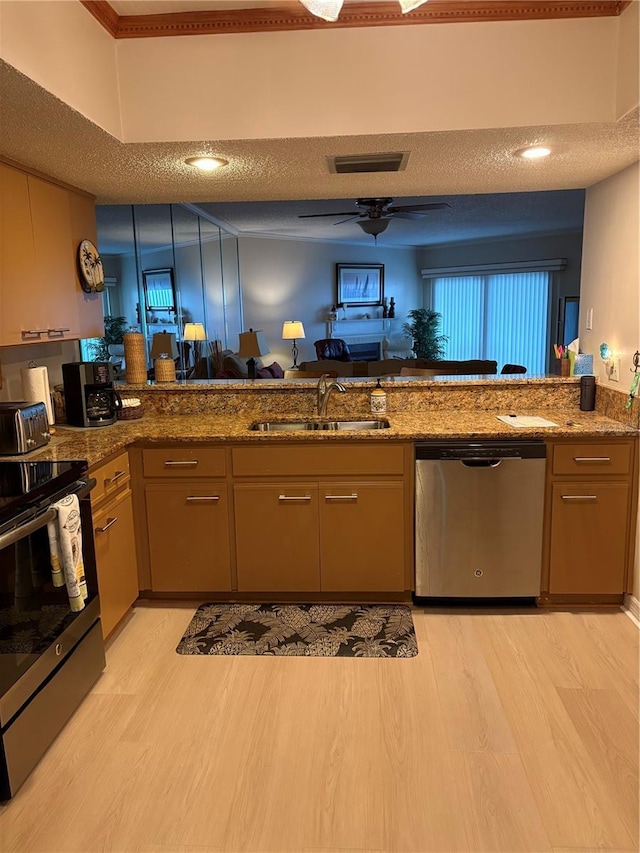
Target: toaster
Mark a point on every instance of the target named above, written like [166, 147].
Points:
[23, 427]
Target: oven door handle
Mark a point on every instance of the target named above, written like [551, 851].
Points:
[27, 528]
[85, 487]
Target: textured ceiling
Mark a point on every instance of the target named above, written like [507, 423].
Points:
[41, 131]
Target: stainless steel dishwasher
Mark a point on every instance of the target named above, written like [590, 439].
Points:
[478, 524]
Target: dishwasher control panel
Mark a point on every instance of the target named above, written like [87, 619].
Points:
[481, 450]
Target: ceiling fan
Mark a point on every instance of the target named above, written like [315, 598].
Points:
[375, 213]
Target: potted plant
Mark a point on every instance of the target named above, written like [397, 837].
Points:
[424, 330]
[114, 329]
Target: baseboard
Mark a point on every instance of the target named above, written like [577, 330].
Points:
[631, 607]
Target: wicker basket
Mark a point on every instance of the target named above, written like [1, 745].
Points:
[129, 413]
[135, 354]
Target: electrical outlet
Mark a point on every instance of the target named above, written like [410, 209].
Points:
[590, 319]
[614, 370]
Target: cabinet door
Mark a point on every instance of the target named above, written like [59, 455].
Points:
[17, 257]
[116, 560]
[588, 538]
[277, 537]
[362, 537]
[83, 227]
[55, 271]
[188, 529]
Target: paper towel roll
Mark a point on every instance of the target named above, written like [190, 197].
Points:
[35, 388]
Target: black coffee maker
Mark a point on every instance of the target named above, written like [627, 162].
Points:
[89, 397]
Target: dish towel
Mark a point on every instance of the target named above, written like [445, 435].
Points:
[65, 547]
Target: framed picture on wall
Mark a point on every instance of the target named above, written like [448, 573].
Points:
[159, 292]
[360, 284]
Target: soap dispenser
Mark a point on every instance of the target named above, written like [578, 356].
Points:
[378, 400]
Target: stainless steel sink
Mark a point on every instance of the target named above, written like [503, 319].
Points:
[312, 426]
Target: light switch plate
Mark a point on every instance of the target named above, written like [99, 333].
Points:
[590, 319]
[614, 370]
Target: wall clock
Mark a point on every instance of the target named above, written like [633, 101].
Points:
[90, 267]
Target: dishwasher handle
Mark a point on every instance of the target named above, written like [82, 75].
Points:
[484, 463]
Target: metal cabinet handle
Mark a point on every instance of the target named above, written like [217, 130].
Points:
[352, 497]
[196, 498]
[294, 497]
[110, 523]
[26, 332]
[592, 459]
[51, 332]
[184, 463]
[579, 497]
[109, 480]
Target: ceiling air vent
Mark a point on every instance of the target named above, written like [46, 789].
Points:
[394, 162]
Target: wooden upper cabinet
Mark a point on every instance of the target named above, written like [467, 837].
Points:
[17, 256]
[42, 225]
[83, 227]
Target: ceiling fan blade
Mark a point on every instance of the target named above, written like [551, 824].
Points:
[315, 215]
[409, 214]
[407, 208]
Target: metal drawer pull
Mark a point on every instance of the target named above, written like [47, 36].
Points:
[33, 332]
[579, 497]
[110, 523]
[294, 497]
[195, 498]
[115, 478]
[57, 331]
[185, 463]
[592, 459]
[353, 497]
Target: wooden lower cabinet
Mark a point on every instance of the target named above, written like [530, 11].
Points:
[362, 536]
[591, 508]
[277, 537]
[188, 530]
[588, 538]
[116, 559]
[320, 537]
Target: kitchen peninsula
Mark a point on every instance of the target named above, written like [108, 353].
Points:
[222, 509]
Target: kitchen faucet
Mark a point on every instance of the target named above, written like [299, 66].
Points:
[324, 392]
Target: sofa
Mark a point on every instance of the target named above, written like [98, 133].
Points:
[393, 366]
[234, 367]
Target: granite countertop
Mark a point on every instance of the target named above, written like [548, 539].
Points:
[96, 444]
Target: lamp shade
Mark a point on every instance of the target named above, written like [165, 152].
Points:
[164, 343]
[194, 332]
[292, 330]
[252, 344]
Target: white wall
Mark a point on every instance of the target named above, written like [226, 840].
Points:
[295, 280]
[65, 50]
[324, 82]
[611, 280]
[49, 355]
[628, 74]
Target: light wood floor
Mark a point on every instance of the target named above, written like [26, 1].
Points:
[510, 732]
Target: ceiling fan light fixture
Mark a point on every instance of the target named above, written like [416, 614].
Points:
[329, 10]
[410, 5]
[207, 164]
[373, 227]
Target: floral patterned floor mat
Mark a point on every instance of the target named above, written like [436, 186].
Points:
[313, 630]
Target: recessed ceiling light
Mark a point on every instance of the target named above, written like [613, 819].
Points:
[534, 153]
[207, 164]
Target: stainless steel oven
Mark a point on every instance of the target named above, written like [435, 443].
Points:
[50, 656]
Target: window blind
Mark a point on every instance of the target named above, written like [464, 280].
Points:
[502, 317]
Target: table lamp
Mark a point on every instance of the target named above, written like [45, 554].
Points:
[195, 333]
[164, 343]
[252, 346]
[293, 330]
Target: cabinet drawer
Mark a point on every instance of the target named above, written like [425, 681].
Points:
[111, 477]
[331, 459]
[596, 458]
[184, 462]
